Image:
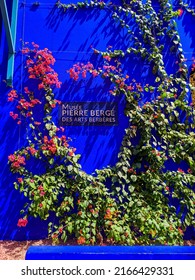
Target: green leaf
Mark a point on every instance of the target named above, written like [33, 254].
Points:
[51, 161]
[70, 228]
[134, 178]
[48, 126]
[64, 236]
[70, 168]
[131, 188]
[157, 79]
[120, 174]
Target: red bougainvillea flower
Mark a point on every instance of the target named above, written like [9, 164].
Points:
[12, 95]
[180, 170]
[40, 188]
[39, 68]
[71, 152]
[49, 145]
[20, 180]
[180, 12]
[16, 161]
[37, 123]
[35, 45]
[60, 230]
[57, 101]
[32, 150]
[62, 128]
[21, 160]
[25, 50]
[11, 158]
[108, 214]
[42, 193]
[94, 73]
[81, 240]
[14, 116]
[180, 231]
[26, 90]
[107, 57]
[22, 222]
[54, 236]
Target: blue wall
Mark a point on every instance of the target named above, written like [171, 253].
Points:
[69, 36]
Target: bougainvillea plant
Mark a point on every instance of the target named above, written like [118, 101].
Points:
[140, 200]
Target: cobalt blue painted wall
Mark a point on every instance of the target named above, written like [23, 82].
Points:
[69, 36]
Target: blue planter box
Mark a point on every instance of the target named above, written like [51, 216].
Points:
[111, 253]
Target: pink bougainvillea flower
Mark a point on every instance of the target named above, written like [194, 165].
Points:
[21, 160]
[35, 45]
[20, 180]
[180, 170]
[12, 95]
[60, 230]
[40, 188]
[42, 193]
[37, 123]
[26, 90]
[25, 50]
[14, 116]
[32, 150]
[22, 222]
[62, 128]
[180, 12]
[16, 161]
[107, 57]
[94, 73]
[11, 158]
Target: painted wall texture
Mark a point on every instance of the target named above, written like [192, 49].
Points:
[70, 36]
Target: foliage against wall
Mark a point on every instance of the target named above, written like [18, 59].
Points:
[133, 202]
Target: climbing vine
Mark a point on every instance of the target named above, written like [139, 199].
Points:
[148, 196]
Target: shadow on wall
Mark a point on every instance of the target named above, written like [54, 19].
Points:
[69, 36]
[98, 145]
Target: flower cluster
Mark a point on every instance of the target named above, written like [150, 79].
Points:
[14, 116]
[51, 145]
[16, 161]
[129, 202]
[24, 106]
[81, 69]
[39, 64]
[39, 67]
[12, 95]
[41, 190]
[111, 70]
[32, 150]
